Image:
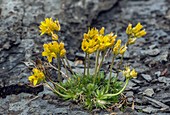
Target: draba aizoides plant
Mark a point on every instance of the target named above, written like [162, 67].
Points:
[93, 90]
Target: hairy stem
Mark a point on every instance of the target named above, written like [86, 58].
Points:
[99, 66]
[110, 75]
[96, 65]
[59, 68]
[68, 64]
[111, 95]
[88, 56]
[85, 64]
[65, 67]
[53, 89]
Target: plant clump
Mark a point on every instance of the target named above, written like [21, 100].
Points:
[93, 90]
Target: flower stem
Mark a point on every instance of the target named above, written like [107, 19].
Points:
[68, 65]
[101, 61]
[97, 61]
[49, 86]
[59, 68]
[65, 67]
[88, 56]
[85, 64]
[96, 65]
[111, 95]
[111, 66]
[121, 60]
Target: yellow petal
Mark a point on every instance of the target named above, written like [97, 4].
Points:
[129, 29]
[54, 37]
[123, 49]
[141, 33]
[102, 30]
[137, 28]
[35, 81]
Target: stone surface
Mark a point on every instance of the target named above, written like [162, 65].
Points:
[146, 77]
[149, 92]
[20, 41]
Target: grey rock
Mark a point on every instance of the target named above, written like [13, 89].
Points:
[163, 57]
[146, 77]
[158, 73]
[149, 92]
[164, 80]
[130, 85]
[150, 110]
[137, 81]
[164, 106]
[130, 96]
[150, 52]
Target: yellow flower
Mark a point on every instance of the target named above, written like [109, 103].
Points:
[131, 41]
[102, 31]
[96, 40]
[129, 74]
[133, 73]
[141, 33]
[129, 29]
[54, 36]
[137, 28]
[123, 49]
[48, 53]
[37, 77]
[135, 32]
[117, 47]
[54, 49]
[90, 41]
[93, 32]
[49, 26]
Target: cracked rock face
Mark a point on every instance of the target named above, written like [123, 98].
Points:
[20, 41]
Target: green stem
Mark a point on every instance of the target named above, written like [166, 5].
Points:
[59, 68]
[97, 61]
[121, 60]
[65, 67]
[101, 61]
[111, 66]
[96, 65]
[85, 64]
[88, 66]
[111, 95]
[62, 95]
[68, 64]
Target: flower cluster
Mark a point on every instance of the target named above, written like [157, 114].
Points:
[93, 90]
[134, 33]
[49, 26]
[53, 50]
[96, 40]
[129, 74]
[36, 77]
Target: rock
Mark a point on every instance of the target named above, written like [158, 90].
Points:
[139, 107]
[130, 96]
[146, 77]
[163, 58]
[130, 85]
[137, 81]
[164, 80]
[158, 73]
[164, 106]
[150, 52]
[153, 46]
[149, 92]
[150, 110]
